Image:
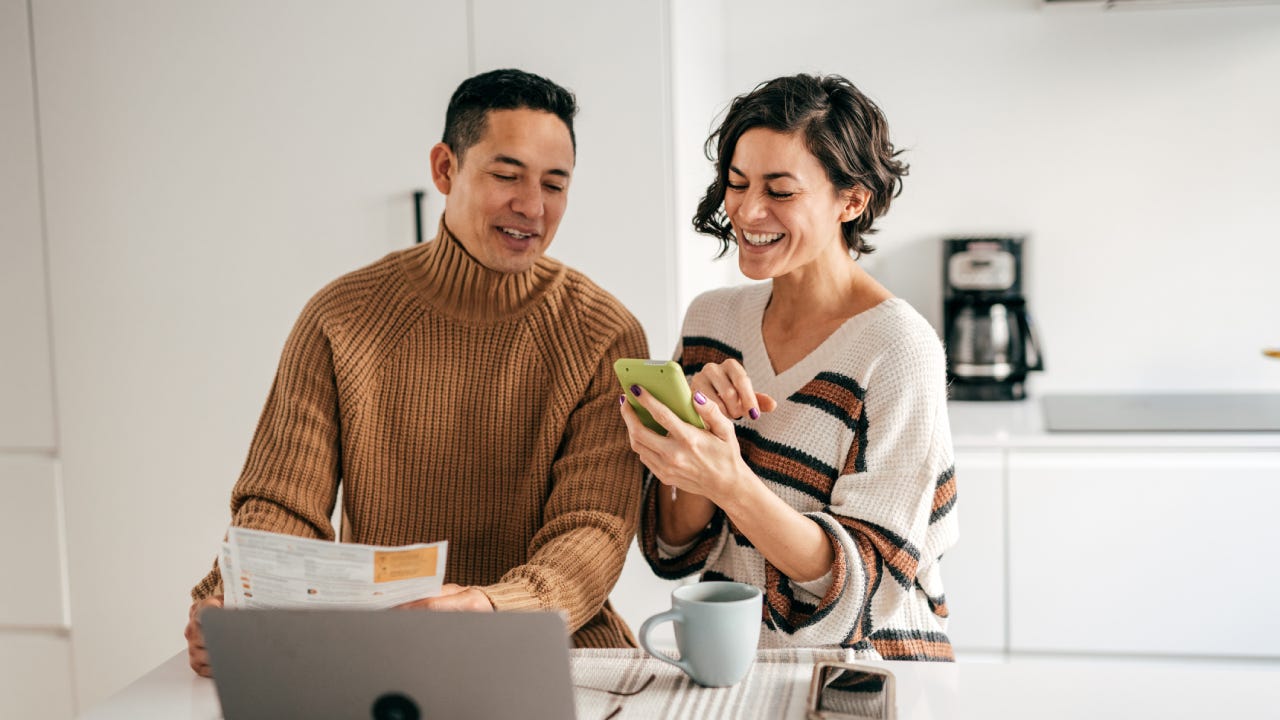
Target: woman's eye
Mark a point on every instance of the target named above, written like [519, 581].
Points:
[780, 195]
[735, 188]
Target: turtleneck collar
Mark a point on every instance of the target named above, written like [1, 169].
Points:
[453, 282]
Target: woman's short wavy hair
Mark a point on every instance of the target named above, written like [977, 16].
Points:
[843, 129]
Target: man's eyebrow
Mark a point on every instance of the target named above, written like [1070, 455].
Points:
[768, 176]
[508, 160]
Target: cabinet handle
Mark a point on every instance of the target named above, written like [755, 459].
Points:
[417, 215]
[1272, 352]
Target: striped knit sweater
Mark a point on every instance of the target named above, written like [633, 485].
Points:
[860, 443]
[457, 403]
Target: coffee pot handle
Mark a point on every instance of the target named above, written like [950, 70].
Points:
[1034, 360]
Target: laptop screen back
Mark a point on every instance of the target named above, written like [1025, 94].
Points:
[389, 665]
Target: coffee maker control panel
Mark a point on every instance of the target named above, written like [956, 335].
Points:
[982, 267]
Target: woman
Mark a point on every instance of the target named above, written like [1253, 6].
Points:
[825, 476]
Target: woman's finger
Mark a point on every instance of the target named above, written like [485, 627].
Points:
[713, 383]
[641, 436]
[715, 420]
[743, 391]
[660, 413]
[767, 403]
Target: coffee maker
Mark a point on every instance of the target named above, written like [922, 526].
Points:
[991, 344]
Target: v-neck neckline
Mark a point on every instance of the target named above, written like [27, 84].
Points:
[755, 355]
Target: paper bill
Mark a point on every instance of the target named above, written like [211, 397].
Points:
[269, 570]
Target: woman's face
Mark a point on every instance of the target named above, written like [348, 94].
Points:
[785, 213]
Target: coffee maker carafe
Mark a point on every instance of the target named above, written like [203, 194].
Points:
[991, 345]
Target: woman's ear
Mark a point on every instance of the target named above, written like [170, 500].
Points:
[444, 164]
[855, 201]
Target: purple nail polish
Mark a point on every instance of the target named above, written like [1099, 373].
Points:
[635, 390]
[754, 413]
[699, 398]
[622, 399]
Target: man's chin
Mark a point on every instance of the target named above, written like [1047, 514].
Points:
[511, 261]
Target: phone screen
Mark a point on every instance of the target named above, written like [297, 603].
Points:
[851, 692]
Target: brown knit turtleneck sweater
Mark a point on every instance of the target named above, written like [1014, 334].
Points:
[457, 403]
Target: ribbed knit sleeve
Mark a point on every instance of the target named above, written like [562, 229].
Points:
[590, 518]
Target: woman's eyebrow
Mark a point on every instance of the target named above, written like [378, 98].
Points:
[768, 176]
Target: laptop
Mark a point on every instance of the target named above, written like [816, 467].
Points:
[389, 664]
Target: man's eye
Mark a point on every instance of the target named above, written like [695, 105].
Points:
[505, 178]
[553, 188]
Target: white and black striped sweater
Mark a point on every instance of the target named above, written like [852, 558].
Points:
[860, 443]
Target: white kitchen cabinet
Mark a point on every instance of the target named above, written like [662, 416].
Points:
[31, 544]
[973, 572]
[35, 675]
[1144, 551]
[26, 397]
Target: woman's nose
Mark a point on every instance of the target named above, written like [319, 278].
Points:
[752, 206]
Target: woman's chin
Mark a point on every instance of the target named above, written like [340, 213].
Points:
[753, 269]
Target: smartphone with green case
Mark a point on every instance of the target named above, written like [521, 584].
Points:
[663, 379]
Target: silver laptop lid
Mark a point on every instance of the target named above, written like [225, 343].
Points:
[390, 664]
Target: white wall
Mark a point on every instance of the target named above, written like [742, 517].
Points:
[208, 167]
[1137, 150]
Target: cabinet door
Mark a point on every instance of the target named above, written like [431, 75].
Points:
[35, 675]
[973, 572]
[26, 399]
[31, 550]
[1169, 552]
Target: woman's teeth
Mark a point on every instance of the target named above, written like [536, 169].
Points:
[516, 233]
[761, 238]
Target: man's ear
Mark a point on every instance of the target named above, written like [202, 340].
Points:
[855, 201]
[444, 167]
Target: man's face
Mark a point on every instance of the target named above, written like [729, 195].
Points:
[504, 200]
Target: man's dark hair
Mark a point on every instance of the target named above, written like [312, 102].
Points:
[843, 129]
[464, 121]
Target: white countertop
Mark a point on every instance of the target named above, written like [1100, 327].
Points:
[1020, 424]
[1046, 690]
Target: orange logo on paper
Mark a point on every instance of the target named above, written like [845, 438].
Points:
[404, 564]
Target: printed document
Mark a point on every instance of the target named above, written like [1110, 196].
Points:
[269, 570]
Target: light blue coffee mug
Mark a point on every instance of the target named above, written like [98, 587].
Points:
[717, 628]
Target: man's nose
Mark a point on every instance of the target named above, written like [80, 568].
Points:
[528, 200]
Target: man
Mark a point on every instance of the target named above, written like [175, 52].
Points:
[463, 390]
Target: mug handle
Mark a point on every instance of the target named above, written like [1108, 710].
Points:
[671, 615]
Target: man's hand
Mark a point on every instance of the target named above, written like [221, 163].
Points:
[197, 655]
[453, 597]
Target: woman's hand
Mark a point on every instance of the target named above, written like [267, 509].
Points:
[707, 466]
[700, 462]
[726, 384]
